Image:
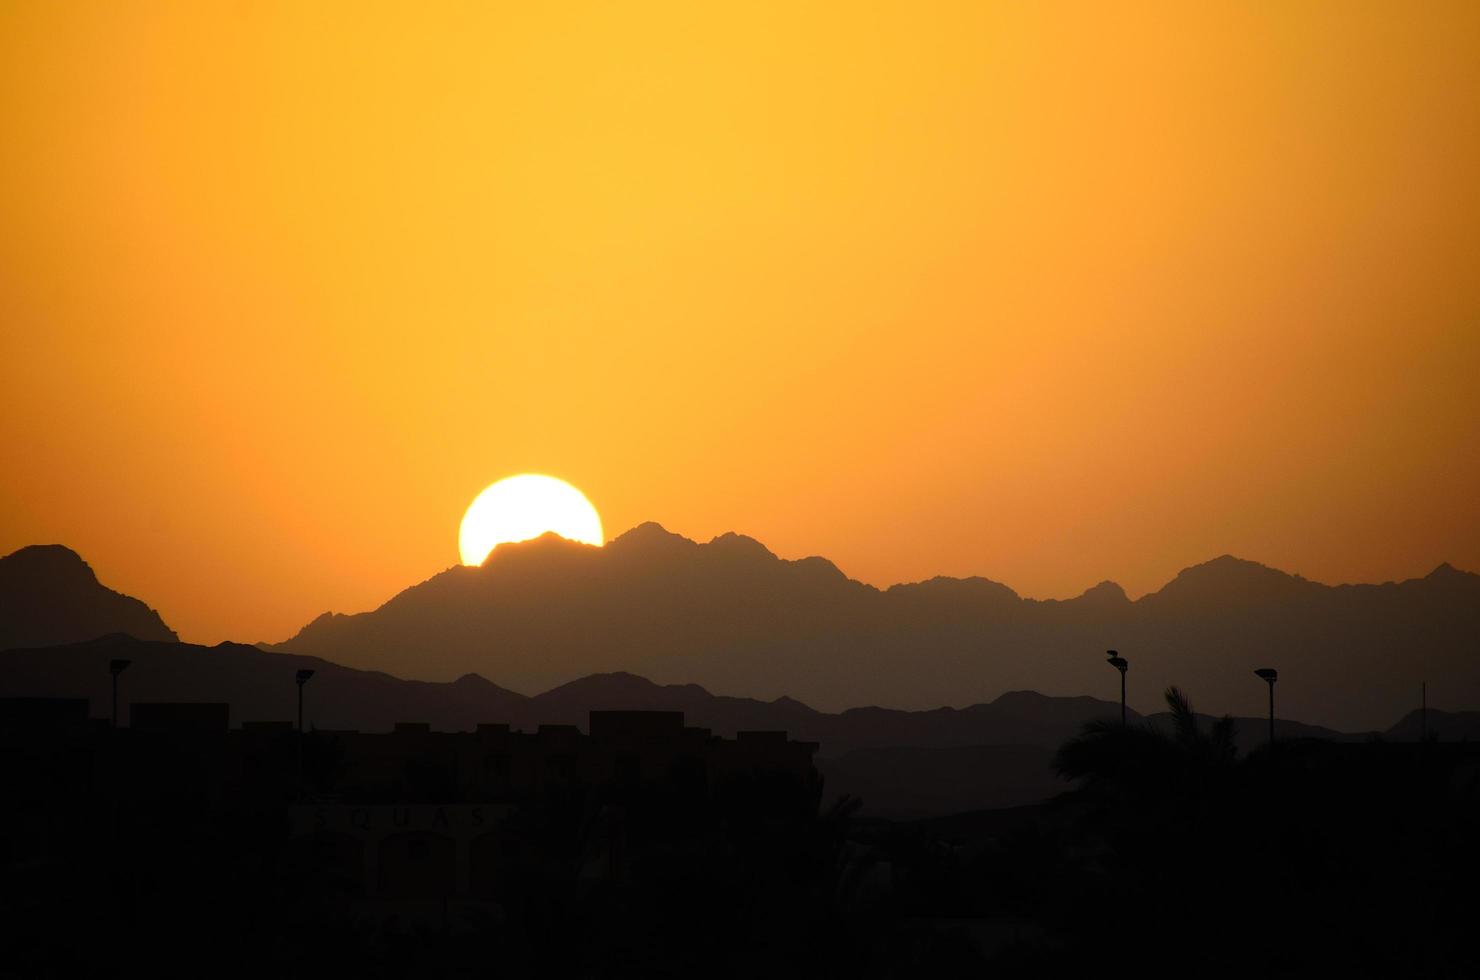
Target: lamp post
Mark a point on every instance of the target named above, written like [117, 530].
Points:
[116, 667]
[1423, 713]
[1269, 675]
[1119, 663]
[302, 678]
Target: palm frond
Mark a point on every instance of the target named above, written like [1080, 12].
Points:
[1106, 749]
[1184, 720]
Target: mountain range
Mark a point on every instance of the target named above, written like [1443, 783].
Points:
[993, 754]
[901, 763]
[259, 687]
[731, 615]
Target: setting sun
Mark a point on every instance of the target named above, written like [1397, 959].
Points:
[522, 507]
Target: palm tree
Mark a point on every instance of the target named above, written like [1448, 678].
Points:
[1147, 758]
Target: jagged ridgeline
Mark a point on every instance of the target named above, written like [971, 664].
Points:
[731, 615]
[734, 617]
[49, 595]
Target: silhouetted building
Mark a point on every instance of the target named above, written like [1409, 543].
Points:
[409, 814]
[180, 717]
[43, 714]
[427, 814]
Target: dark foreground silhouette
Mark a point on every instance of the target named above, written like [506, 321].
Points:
[646, 848]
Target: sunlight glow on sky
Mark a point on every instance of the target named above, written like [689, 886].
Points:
[1044, 292]
[525, 506]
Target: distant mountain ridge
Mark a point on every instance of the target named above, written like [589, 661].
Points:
[49, 595]
[903, 764]
[734, 616]
[259, 687]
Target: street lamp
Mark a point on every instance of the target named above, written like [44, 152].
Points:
[116, 667]
[1269, 675]
[302, 679]
[1119, 663]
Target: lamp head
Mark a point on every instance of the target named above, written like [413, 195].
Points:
[1119, 663]
[303, 676]
[1268, 673]
[116, 667]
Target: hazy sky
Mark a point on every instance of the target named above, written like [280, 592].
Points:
[1047, 293]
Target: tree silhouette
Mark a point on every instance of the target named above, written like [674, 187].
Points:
[1144, 758]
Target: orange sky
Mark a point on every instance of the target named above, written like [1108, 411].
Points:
[1048, 293]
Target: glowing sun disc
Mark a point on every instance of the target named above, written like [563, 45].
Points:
[521, 507]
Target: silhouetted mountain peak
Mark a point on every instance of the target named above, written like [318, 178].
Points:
[545, 545]
[1106, 592]
[49, 596]
[1448, 573]
[821, 568]
[1228, 566]
[1033, 707]
[1019, 699]
[650, 538]
[1033, 701]
[949, 588]
[322, 624]
[473, 680]
[55, 562]
[646, 532]
[651, 543]
[610, 679]
[1227, 579]
[740, 545]
[615, 686]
